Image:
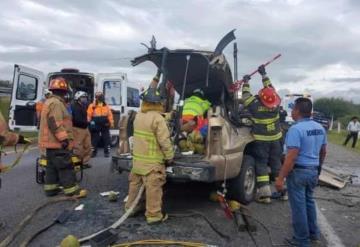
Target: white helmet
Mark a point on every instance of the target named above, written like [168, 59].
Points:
[80, 94]
[47, 92]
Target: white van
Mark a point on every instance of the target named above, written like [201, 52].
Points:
[29, 85]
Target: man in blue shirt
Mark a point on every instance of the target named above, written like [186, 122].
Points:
[306, 149]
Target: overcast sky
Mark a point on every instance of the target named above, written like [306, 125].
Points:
[319, 40]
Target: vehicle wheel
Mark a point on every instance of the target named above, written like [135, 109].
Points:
[242, 187]
[114, 141]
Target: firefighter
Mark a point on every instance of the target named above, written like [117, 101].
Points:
[195, 108]
[152, 150]
[82, 138]
[264, 109]
[8, 138]
[194, 119]
[39, 106]
[101, 120]
[56, 136]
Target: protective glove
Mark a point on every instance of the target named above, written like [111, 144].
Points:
[246, 78]
[262, 70]
[23, 140]
[169, 162]
[65, 144]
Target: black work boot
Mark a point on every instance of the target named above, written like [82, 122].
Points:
[94, 153]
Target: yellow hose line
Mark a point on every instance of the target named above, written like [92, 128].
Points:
[160, 242]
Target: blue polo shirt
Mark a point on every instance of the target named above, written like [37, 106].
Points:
[308, 136]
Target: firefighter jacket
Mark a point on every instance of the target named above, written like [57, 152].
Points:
[38, 107]
[7, 138]
[195, 106]
[55, 124]
[79, 115]
[101, 114]
[266, 122]
[151, 143]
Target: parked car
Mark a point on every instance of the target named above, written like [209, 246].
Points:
[321, 119]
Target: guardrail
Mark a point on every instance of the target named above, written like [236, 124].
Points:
[5, 90]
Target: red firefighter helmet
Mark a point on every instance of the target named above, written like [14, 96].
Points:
[269, 97]
[58, 84]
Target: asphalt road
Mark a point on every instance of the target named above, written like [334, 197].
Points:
[19, 195]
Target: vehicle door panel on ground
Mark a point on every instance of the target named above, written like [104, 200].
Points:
[28, 86]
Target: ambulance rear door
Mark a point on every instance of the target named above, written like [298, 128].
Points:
[28, 86]
[113, 85]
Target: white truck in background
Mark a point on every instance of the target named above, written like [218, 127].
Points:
[29, 85]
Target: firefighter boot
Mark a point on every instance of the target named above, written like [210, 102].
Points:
[157, 220]
[264, 194]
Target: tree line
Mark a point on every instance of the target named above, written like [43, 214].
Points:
[339, 109]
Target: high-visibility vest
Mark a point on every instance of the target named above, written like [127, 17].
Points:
[54, 112]
[195, 106]
[100, 111]
[151, 142]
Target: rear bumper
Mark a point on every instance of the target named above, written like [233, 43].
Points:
[200, 171]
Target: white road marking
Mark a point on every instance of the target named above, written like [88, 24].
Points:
[327, 231]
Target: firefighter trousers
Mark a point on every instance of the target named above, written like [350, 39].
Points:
[267, 153]
[59, 172]
[153, 182]
[82, 144]
[104, 134]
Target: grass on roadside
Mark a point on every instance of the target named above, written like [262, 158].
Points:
[339, 138]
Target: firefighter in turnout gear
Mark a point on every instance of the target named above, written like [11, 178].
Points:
[152, 150]
[82, 138]
[195, 107]
[56, 136]
[264, 109]
[8, 138]
[100, 120]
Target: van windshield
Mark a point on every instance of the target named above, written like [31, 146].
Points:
[112, 92]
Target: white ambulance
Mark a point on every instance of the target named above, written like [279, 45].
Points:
[288, 103]
[29, 85]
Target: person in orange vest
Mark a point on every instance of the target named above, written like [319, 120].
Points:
[56, 136]
[100, 120]
[39, 105]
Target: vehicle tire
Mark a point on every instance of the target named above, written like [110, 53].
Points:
[114, 141]
[243, 186]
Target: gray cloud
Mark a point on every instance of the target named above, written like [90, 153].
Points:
[101, 35]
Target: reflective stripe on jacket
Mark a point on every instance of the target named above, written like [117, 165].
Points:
[7, 138]
[266, 121]
[195, 106]
[100, 111]
[54, 112]
[151, 143]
